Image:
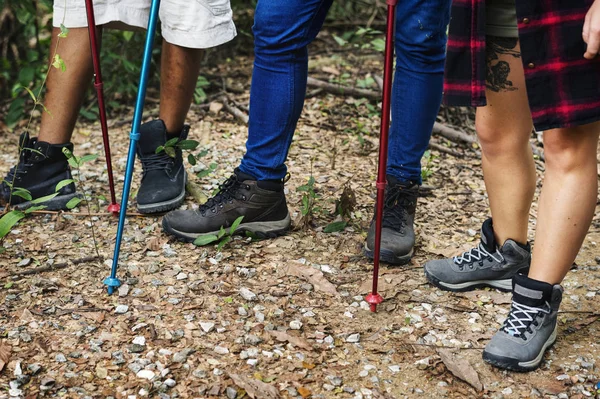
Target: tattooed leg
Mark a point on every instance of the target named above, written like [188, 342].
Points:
[498, 68]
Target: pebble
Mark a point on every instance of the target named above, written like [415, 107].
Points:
[231, 392]
[353, 338]
[247, 294]
[139, 340]
[170, 382]
[207, 326]
[221, 350]
[242, 311]
[328, 387]
[145, 374]
[394, 369]
[24, 262]
[165, 352]
[295, 324]
[363, 373]
[123, 290]
[121, 309]
[181, 276]
[181, 357]
[563, 377]
[252, 340]
[61, 358]
[507, 391]
[252, 362]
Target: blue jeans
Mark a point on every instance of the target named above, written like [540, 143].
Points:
[282, 31]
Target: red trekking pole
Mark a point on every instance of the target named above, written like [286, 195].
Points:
[374, 298]
[89, 6]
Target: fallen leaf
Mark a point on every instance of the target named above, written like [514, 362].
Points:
[305, 393]
[308, 366]
[155, 244]
[461, 368]
[26, 317]
[254, 388]
[215, 107]
[5, 351]
[313, 276]
[292, 339]
[98, 317]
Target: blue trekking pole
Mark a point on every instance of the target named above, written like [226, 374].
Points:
[113, 282]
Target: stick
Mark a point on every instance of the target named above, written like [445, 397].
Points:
[452, 134]
[446, 150]
[233, 110]
[58, 266]
[344, 90]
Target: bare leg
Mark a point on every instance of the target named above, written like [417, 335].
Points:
[178, 75]
[567, 202]
[65, 90]
[504, 127]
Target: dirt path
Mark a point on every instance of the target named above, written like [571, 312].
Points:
[184, 322]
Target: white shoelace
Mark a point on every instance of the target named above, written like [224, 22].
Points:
[476, 254]
[520, 317]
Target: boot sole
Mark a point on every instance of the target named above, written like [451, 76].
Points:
[164, 206]
[502, 285]
[515, 365]
[388, 256]
[260, 230]
[57, 203]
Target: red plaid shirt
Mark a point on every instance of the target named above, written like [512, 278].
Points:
[563, 87]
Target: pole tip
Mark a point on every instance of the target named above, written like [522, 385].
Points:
[114, 208]
[112, 283]
[373, 300]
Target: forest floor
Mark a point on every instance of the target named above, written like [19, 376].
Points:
[283, 317]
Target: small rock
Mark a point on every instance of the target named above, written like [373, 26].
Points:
[61, 358]
[182, 356]
[247, 294]
[394, 369]
[121, 309]
[231, 392]
[170, 382]
[507, 391]
[181, 276]
[24, 262]
[123, 290]
[101, 372]
[363, 373]
[34, 368]
[353, 338]
[563, 377]
[139, 340]
[328, 387]
[252, 362]
[145, 374]
[252, 340]
[207, 326]
[221, 350]
[295, 324]
[242, 311]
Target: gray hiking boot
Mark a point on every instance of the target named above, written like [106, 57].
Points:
[486, 265]
[398, 233]
[530, 327]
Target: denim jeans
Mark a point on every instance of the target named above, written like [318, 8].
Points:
[282, 31]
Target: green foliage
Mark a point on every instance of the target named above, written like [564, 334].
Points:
[427, 165]
[224, 236]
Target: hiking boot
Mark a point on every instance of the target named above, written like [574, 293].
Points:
[163, 180]
[398, 233]
[486, 265]
[262, 203]
[41, 167]
[530, 327]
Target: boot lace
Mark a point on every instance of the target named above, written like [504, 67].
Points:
[521, 317]
[160, 161]
[228, 191]
[399, 204]
[477, 254]
[14, 174]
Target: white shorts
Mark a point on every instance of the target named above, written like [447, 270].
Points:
[186, 23]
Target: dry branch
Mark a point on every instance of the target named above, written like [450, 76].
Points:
[343, 90]
[58, 266]
[233, 110]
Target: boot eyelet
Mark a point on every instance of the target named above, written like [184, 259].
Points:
[480, 263]
[471, 266]
[243, 197]
[221, 206]
[213, 210]
[247, 187]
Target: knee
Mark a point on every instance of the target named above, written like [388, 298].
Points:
[566, 150]
[496, 141]
[274, 32]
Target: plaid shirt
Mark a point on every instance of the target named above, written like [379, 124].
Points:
[563, 88]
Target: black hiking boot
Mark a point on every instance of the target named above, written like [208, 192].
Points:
[163, 180]
[41, 167]
[397, 234]
[261, 203]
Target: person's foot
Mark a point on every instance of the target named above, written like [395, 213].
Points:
[530, 327]
[41, 167]
[261, 203]
[486, 265]
[163, 179]
[397, 234]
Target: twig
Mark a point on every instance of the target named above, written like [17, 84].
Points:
[344, 90]
[453, 134]
[42, 212]
[446, 150]
[233, 110]
[58, 266]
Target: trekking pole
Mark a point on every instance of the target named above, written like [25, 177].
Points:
[374, 298]
[89, 7]
[113, 282]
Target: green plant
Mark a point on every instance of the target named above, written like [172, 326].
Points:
[308, 202]
[427, 165]
[344, 207]
[224, 236]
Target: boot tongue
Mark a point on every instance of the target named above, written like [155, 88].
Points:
[152, 135]
[241, 176]
[487, 236]
[531, 292]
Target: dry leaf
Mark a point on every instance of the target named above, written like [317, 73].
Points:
[304, 392]
[215, 107]
[313, 276]
[5, 351]
[254, 388]
[292, 339]
[155, 244]
[26, 317]
[308, 366]
[98, 317]
[461, 368]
